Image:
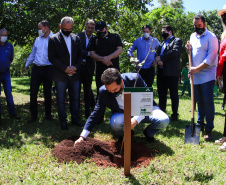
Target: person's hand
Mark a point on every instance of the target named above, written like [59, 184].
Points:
[157, 58]
[160, 63]
[188, 47]
[79, 140]
[133, 123]
[107, 61]
[193, 70]
[24, 70]
[219, 78]
[155, 63]
[71, 70]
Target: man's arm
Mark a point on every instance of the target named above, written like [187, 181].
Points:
[52, 56]
[132, 49]
[11, 54]
[30, 58]
[115, 54]
[198, 68]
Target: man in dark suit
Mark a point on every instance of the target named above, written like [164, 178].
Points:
[65, 53]
[87, 67]
[112, 96]
[168, 60]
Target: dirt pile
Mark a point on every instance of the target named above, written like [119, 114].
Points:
[102, 153]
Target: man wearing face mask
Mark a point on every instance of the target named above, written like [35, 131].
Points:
[168, 70]
[204, 48]
[105, 50]
[65, 53]
[6, 58]
[112, 96]
[41, 71]
[142, 45]
[87, 67]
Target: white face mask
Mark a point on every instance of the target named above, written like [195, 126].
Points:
[41, 33]
[187, 66]
[3, 38]
[146, 35]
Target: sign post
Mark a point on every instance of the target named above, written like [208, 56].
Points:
[138, 101]
[127, 133]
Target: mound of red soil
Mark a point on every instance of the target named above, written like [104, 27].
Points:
[102, 153]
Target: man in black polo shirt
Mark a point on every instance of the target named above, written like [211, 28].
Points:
[105, 50]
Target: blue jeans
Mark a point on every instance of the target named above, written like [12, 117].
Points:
[204, 98]
[73, 91]
[159, 120]
[6, 81]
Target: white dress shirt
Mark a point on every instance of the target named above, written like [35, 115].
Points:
[39, 52]
[68, 43]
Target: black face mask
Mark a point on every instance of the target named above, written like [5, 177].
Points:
[199, 30]
[66, 33]
[116, 94]
[101, 34]
[165, 35]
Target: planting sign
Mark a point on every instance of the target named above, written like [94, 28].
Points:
[141, 100]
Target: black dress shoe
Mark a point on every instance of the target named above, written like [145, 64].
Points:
[150, 139]
[14, 116]
[50, 118]
[174, 117]
[64, 126]
[32, 119]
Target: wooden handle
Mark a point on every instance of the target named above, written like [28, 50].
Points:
[192, 83]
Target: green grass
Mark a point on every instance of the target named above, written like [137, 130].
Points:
[25, 149]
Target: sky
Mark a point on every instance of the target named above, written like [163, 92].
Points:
[198, 5]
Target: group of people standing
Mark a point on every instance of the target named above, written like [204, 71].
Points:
[69, 60]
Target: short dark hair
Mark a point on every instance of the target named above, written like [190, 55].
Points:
[44, 23]
[111, 75]
[199, 16]
[168, 28]
[146, 26]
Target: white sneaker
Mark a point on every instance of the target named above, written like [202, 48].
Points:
[220, 141]
[223, 147]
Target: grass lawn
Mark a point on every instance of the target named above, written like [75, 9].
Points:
[25, 149]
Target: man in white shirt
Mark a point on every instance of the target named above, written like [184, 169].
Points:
[41, 71]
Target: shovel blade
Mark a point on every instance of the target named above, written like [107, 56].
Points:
[188, 134]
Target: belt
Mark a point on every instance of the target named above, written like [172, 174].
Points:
[42, 66]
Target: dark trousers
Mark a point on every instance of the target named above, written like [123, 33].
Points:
[98, 79]
[6, 82]
[40, 74]
[164, 83]
[86, 79]
[73, 90]
[148, 75]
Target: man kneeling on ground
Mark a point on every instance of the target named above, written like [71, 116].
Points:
[112, 96]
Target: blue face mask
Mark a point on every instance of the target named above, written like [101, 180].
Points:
[116, 94]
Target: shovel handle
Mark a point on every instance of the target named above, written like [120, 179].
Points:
[192, 84]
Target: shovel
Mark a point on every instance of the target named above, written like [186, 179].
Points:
[192, 132]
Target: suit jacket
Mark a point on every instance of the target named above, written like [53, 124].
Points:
[107, 99]
[170, 57]
[60, 58]
[90, 63]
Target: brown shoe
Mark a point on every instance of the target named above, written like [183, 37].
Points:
[208, 136]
